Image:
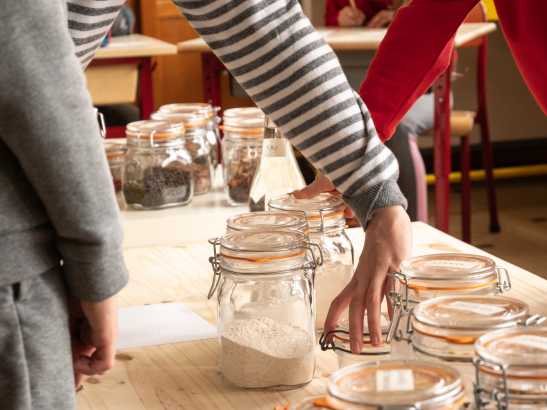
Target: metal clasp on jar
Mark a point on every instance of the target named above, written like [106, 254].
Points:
[506, 284]
[102, 126]
[326, 345]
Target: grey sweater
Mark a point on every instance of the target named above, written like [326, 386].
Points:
[56, 196]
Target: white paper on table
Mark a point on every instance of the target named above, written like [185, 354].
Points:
[160, 324]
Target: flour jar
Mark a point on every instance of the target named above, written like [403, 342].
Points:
[446, 274]
[445, 329]
[115, 154]
[391, 385]
[196, 143]
[341, 344]
[158, 169]
[326, 219]
[268, 221]
[210, 125]
[512, 369]
[265, 311]
[241, 148]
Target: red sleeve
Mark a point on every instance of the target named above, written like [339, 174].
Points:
[415, 51]
[331, 13]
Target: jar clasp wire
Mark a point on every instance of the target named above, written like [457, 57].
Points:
[102, 125]
[400, 308]
[505, 285]
[215, 263]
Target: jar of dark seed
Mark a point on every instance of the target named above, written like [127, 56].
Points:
[196, 143]
[241, 148]
[115, 154]
[158, 170]
[210, 125]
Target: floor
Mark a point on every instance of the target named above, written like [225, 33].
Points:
[522, 207]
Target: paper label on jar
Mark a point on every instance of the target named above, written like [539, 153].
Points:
[260, 238]
[538, 342]
[450, 264]
[479, 308]
[274, 147]
[395, 380]
[264, 220]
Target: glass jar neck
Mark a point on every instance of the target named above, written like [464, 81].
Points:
[147, 142]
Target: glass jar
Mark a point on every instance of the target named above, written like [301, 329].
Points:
[115, 154]
[265, 311]
[444, 274]
[326, 219]
[341, 344]
[391, 384]
[158, 169]
[210, 126]
[241, 148]
[446, 328]
[512, 369]
[268, 221]
[195, 142]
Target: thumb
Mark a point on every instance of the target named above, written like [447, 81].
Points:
[320, 185]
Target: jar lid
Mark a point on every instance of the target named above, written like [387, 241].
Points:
[157, 130]
[246, 121]
[269, 221]
[471, 312]
[328, 203]
[343, 324]
[452, 271]
[263, 246]
[522, 346]
[416, 384]
[189, 108]
[190, 120]
[114, 150]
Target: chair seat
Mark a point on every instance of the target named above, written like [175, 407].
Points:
[461, 123]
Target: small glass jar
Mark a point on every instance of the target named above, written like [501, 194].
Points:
[265, 309]
[326, 219]
[210, 125]
[115, 154]
[512, 369]
[195, 142]
[241, 148]
[158, 169]
[391, 384]
[341, 343]
[446, 328]
[268, 221]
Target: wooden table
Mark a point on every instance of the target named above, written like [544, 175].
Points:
[112, 74]
[369, 39]
[185, 375]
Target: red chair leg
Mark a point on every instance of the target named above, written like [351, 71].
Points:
[466, 188]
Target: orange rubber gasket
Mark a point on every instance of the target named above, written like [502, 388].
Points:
[416, 287]
[253, 131]
[263, 259]
[456, 340]
[325, 216]
[140, 136]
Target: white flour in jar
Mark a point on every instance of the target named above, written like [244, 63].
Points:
[330, 279]
[260, 352]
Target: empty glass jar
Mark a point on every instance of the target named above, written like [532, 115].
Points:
[158, 169]
[512, 369]
[268, 221]
[326, 219]
[241, 148]
[446, 328]
[115, 154]
[210, 125]
[195, 142]
[265, 316]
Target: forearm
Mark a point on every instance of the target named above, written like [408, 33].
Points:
[416, 50]
[296, 79]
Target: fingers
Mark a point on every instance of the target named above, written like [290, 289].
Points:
[78, 379]
[356, 315]
[99, 362]
[348, 212]
[374, 299]
[337, 308]
[320, 185]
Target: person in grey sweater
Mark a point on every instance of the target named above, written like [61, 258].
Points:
[60, 233]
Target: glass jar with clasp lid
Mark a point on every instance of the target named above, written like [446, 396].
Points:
[210, 125]
[268, 221]
[446, 274]
[326, 219]
[340, 343]
[195, 142]
[265, 311]
[241, 149]
[511, 369]
[445, 329]
[158, 169]
[384, 385]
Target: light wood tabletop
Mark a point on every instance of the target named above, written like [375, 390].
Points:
[135, 45]
[186, 375]
[359, 38]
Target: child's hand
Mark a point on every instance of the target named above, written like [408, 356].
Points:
[381, 18]
[348, 17]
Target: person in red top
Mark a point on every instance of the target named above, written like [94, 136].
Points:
[372, 13]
